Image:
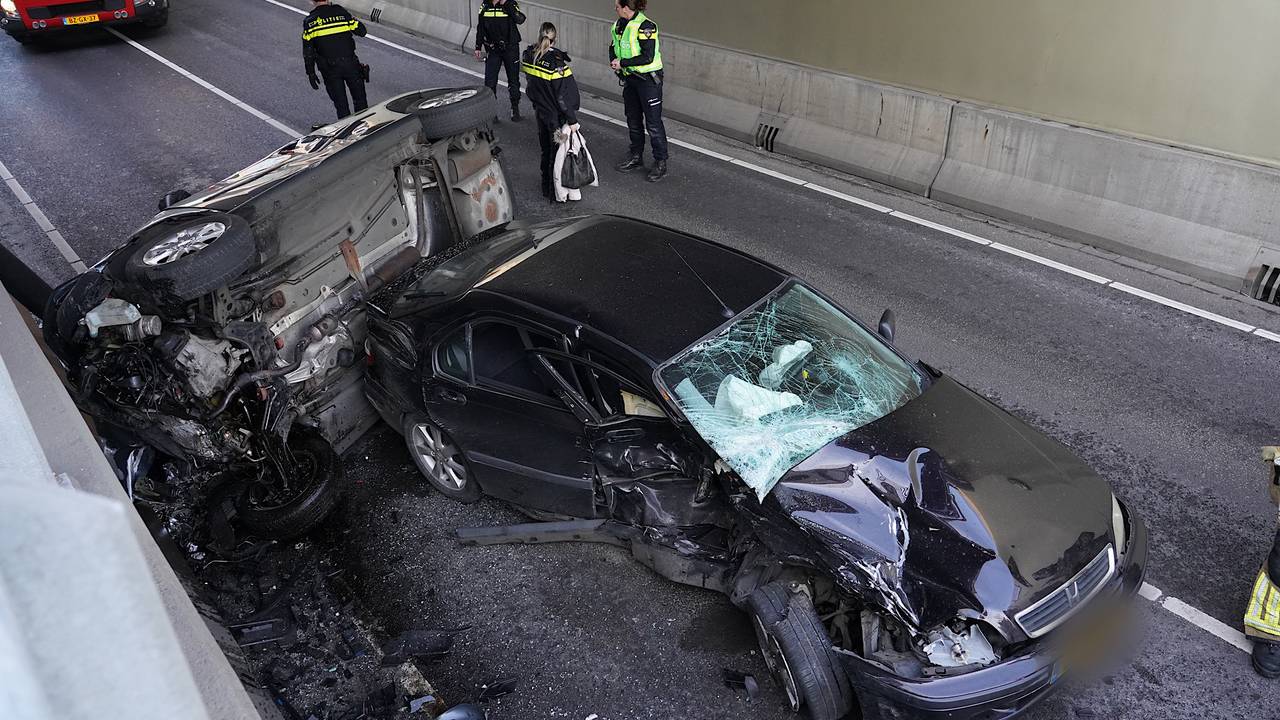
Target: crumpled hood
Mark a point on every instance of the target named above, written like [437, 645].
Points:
[950, 505]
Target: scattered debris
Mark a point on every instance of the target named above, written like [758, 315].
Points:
[418, 644]
[497, 689]
[740, 681]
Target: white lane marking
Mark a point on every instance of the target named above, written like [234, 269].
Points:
[1000, 247]
[1050, 263]
[939, 227]
[1207, 623]
[1245, 327]
[848, 198]
[42, 220]
[208, 85]
[1273, 337]
[1150, 592]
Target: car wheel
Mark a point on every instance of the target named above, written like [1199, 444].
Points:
[440, 460]
[798, 652]
[187, 257]
[448, 111]
[274, 512]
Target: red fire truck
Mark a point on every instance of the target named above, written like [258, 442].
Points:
[27, 20]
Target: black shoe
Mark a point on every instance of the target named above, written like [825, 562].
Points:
[1266, 658]
[631, 163]
[658, 172]
[515, 113]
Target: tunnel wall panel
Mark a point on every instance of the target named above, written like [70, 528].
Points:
[1203, 214]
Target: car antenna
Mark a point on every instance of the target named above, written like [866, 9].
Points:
[728, 312]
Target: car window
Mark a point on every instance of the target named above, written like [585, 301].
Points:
[607, 391]
[453, 357]
[501, 358]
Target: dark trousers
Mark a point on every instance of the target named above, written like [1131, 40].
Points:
[642, 96]
[337, 88]
[498, 58]
[546, 139]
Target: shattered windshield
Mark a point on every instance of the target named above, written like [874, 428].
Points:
[783, 380]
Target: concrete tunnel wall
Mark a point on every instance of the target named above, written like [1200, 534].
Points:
[1147, 128]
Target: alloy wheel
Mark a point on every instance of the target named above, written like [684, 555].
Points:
[438, 458]
[187, 241]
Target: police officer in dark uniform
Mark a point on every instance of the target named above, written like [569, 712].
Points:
[554, 94]
[636, 57]
[498, 44]
[328, 44]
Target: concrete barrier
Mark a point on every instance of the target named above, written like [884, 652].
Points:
[879, 132]
[1209, 217]
[1195, 213]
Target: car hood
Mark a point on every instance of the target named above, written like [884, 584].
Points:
[950, 505]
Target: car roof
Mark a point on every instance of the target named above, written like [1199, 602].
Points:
[653, 289]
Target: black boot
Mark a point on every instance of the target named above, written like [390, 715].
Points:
[1266, 658]
[658, 172]
[631, 163]
[515, 112]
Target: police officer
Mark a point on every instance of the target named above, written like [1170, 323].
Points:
[328, 44]
[498, 44]
[554, 94]
[1262, 616]
[637, 59]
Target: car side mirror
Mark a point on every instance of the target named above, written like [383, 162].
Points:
[888, 324]
[173, 197]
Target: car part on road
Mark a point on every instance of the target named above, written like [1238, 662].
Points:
[497, 688]
[796, 649]
[418, 644]
[742, 681]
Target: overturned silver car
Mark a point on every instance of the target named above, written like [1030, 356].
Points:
[226, 331]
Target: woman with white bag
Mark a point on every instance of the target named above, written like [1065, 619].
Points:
[553, 92]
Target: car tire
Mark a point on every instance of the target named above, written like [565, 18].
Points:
[439, 459]
[798, 652]
[188, 257]
[448, 111]
[309, 508]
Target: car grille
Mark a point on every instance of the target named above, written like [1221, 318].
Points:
[1052, 610]
[75, 8]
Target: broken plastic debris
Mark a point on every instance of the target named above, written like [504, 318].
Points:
[423, 644]
[497, 689]
[822, 375]
[742, 681]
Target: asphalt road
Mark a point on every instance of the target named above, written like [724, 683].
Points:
[1171, 408]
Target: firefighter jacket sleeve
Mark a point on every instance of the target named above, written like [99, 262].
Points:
[648, 45]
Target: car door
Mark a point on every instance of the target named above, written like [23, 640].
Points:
[648, 472]
[492, 394]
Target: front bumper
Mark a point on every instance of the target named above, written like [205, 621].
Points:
[1005, 690]
[106, 18]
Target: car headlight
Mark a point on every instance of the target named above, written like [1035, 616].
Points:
[8, 7]
[1118, 525]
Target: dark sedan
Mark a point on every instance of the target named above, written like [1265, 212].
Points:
[902, 545]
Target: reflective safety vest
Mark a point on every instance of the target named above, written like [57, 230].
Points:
[329, 26]
[542, 73]
[1263, 613]
[627, 45]
[495, 11]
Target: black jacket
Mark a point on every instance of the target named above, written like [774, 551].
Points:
[328, 41]
[551, 87]
[497, 25]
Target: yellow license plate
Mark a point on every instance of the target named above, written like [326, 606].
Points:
[80, 19]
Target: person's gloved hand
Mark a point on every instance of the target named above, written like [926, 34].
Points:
[315, 82]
